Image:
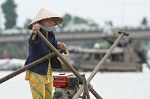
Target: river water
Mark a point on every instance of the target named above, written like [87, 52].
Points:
[110, 85]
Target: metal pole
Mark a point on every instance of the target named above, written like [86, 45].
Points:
[17, 72]
[101, 62]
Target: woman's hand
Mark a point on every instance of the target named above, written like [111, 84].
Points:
[62, 46]
[35, 28]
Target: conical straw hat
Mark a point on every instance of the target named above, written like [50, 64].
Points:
[44, 14]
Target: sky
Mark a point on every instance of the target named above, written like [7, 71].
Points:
[120, 12]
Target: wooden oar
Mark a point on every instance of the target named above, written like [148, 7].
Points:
[17, 72]
[76, 96]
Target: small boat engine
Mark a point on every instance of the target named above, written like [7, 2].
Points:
[66, 85]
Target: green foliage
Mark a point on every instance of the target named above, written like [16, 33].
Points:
[144, 21]
[78, 20]
[104, 45]
[67, 18]
[10, 15]
[116, 29]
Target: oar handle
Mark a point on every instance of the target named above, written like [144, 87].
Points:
[125, 33]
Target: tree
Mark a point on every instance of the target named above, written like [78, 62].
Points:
[10, 15]
[144, 22]
[67, 18]
[78, 20]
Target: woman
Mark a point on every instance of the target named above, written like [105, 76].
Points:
[40, 76]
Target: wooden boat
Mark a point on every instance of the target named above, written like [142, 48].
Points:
[121, 59]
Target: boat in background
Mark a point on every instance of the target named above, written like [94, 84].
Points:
[121, 59]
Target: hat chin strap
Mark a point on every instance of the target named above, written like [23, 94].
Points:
[48, 28]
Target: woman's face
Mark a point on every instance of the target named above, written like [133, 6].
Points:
[47, 22]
